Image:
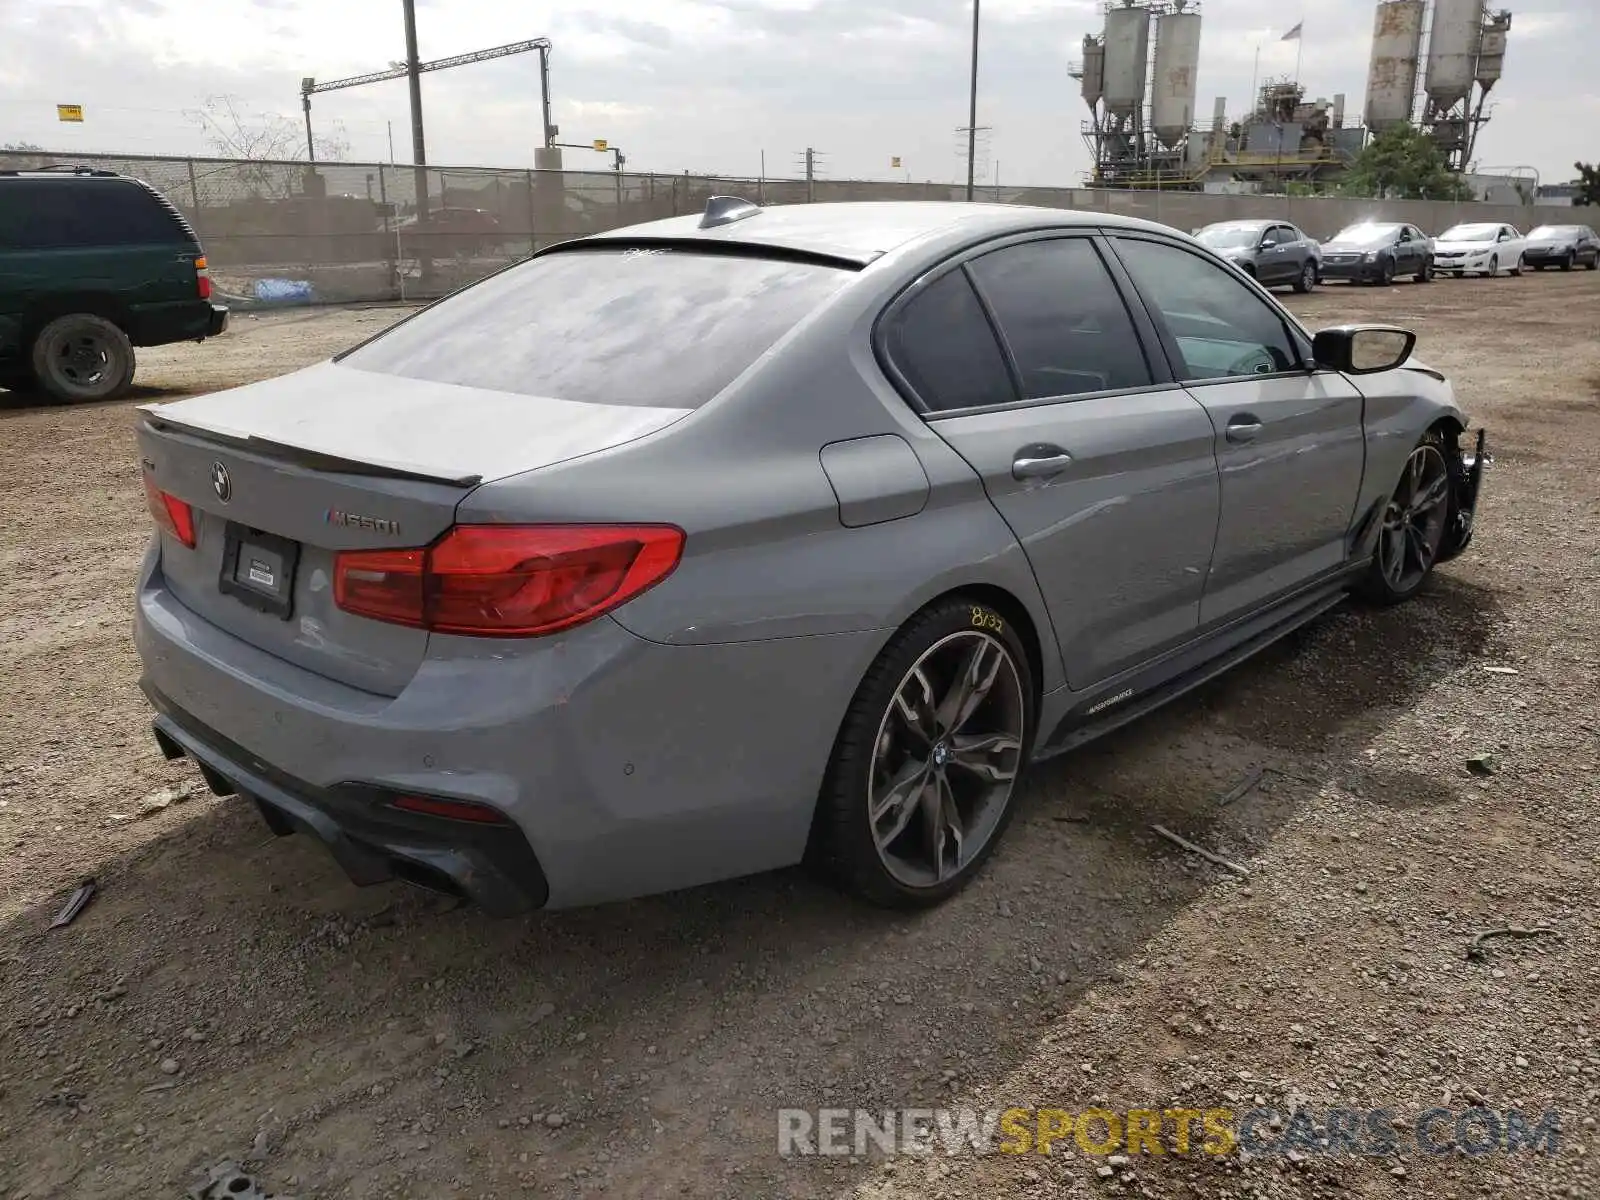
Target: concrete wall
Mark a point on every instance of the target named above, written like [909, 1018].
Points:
[349, 230]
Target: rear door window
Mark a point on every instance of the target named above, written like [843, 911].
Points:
[1062, 317]
[943, 344]
[56, 214]
[651, 328]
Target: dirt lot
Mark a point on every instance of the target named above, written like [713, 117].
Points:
[229, 995]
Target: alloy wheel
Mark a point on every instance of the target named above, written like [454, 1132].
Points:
[1413, 524]
[946, 758]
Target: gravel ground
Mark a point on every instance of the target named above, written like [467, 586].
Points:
[229, 995]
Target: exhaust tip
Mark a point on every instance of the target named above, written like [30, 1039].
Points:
[429, 879]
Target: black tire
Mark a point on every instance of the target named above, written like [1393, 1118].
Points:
[1307, 279]
[844, 844]
[1380, 585]
[1569, 261]
[1494, 267]
[80, 358]
[1517, 270]
[1594, 263]
[1386, 273]
[1426, 274]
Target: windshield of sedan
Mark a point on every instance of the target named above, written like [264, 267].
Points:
[1470, 233]
[1368, 235]
[650, 328]
[1229, 237]
[1554, 231]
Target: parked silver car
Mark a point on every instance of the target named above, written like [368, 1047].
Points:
[1274, 252]
[698, 548]
[1564, 246]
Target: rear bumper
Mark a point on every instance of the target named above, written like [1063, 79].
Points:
[188, 321]
[629, 767]
[491, 865]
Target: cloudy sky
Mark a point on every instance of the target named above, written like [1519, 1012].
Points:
[708, 85]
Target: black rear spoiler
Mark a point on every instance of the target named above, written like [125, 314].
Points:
[300, 456]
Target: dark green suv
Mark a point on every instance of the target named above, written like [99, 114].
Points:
[92, 265]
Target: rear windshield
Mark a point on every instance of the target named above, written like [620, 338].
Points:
[1367, 235]
[53, 214]
[644, 328]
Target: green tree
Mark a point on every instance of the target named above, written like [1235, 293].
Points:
[1588, 184]
[1403, 163]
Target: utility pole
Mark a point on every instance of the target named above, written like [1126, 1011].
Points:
[305, 103]
[550, 130]
[419, 149]
[972, 114]
[811, 175]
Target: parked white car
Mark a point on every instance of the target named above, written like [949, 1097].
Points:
[1482, 248]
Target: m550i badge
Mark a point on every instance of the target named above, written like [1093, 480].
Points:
[349, 520]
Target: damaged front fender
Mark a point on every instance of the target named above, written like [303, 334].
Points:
[1467, 479]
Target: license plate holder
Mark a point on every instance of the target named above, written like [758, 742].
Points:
[258, 570]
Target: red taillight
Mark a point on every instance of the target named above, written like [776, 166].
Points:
[202, 278]
[383, 584]
[170, 513]
[507, 580]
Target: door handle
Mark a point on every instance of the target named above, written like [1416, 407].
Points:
[1242, 428]
[1039, 462]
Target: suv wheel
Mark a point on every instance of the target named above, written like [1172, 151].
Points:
[82, 357]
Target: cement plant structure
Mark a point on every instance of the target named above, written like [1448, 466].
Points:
[1139, 77]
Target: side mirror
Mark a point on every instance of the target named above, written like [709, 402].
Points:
[1362, 349]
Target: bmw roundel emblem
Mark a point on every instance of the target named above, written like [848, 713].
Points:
[221, 482]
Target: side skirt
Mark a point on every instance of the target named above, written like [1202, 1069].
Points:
[1116, 702]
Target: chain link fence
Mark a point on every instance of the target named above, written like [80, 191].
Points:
[295, 232]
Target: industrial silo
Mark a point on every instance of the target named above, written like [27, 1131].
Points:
[1392, 74]
[1176, 67]
[1492, 49]
[1127, 48]
[1094, 69]
[1452, 51]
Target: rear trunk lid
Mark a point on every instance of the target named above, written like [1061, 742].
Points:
[284, 474]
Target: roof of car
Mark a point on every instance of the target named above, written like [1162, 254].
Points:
[861, 231]
[60, 173]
